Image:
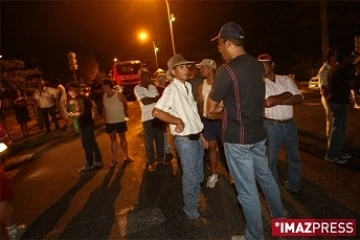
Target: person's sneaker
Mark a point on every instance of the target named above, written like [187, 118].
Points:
[86, 169]
[152, 167]
[199, 222]
[345, 155]
[212, 180]
[21, 229]
[336, 160]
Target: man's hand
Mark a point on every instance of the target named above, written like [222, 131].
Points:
[204, 142]
[179, 126]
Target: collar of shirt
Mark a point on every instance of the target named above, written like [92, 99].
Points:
[184, 85]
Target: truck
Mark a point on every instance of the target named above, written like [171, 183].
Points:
[125, 74]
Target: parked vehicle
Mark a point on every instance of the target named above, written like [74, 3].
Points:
[314, 84]
[125, 74]
[4, 141]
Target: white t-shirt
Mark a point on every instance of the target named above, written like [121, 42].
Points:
[178, 100]
[142, 92]
[282, 84]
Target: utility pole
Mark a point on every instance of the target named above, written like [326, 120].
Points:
[324, 29]
[170, 20]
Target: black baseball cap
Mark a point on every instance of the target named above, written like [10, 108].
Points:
[230, 30]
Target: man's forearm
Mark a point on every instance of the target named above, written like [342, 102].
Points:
[148, 100]
[273, 101]
[165, 117]
[295, 99]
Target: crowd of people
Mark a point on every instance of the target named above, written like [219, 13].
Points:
[243, 104]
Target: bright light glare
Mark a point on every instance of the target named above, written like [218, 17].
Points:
[172, 18]
[143, 36]
[156, 49]
[115, 59]
[3, 147]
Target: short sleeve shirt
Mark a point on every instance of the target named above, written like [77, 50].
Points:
[46, 98]
[142, 92]
[178, 100]
[243, 100]
[282, 84]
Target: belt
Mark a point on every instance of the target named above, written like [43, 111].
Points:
[192, 137]
[278, 121]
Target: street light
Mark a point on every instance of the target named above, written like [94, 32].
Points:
[115, 59]
[143, 36]
[171, 18]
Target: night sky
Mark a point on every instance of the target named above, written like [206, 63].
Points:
[48, 30]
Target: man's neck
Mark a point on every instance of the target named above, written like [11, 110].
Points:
[210, 79]
[238, 51]
[183, 81]
[271, 76]
[145, 85]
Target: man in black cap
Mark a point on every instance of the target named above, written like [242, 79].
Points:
[239, 83]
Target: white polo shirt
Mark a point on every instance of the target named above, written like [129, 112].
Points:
[178, 100]
[282, 84]
[140, 93]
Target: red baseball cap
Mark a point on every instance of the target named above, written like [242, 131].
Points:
[265, 58]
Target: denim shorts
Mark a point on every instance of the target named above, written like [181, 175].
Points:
[120, 127]
[212, 128]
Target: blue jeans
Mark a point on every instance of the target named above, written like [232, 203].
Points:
[248, 164]
[191, 154]
[92, 151]
[284, 134]
[337, 137]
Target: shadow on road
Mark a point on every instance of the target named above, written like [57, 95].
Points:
[48, 220]
[95, 220]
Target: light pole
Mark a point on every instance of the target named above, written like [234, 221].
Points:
[171, 19]
[143, 37]
[155, 52]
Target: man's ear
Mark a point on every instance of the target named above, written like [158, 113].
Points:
[272, 65]
[172, 71]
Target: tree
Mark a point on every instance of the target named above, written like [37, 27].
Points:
[15, 76]
[88, 68]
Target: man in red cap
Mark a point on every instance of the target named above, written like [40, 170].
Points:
[280, 96]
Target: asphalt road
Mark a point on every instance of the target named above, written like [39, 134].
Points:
[130, 203]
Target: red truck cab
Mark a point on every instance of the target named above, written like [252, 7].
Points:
[125, 74]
